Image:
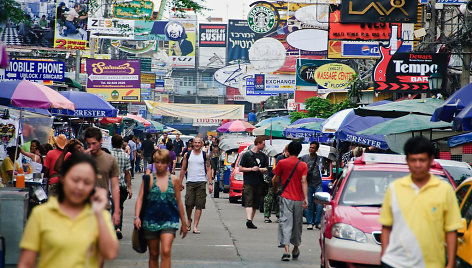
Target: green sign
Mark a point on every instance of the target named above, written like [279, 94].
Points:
[133, 10]
[261, 19]
[305, 76]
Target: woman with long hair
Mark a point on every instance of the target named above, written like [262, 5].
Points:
[74, 229]
[162, 209]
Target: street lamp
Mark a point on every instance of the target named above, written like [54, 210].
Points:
[435, 81]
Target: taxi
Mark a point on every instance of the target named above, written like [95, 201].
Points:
[464, 245]
[350, 230]
[236, 180]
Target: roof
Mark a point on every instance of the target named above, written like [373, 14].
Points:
[452, 163]
[392, 168]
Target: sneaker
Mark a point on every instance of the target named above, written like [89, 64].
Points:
[267, 220]
[119, 235]
[250, 225]
[285, 257]
[318, 226]
[310, 227]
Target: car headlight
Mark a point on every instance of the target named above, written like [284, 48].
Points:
[238, 176]
[346, 231]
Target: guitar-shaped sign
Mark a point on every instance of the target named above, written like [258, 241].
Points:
[386, 53]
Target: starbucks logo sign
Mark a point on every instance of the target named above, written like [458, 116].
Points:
[261, 19]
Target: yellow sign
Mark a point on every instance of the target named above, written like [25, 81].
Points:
[117, 94]
[147, 78]
[334, 76]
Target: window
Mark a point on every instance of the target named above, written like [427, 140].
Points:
[467, 209]
[462, 193]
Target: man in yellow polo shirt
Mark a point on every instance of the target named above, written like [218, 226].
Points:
[419, 214]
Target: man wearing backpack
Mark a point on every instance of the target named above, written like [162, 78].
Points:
[314, 181]
[197, 166]
[254, 165]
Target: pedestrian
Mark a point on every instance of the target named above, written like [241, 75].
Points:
[164, 139]
[419, 214]
[72, 147]
[139, 156]
[271, 200]
[126, 147]
[148, 149]
[35, 158]
[291, 173]
[196, 164]
[188, 148]
[124, 164]
[108, 170]
[7, 169]
[252, 118]
[315, 185]
[178, 147]
[74, 229]
[214, 159]
[50, 162]
[173, 157]
[254, 165]
[132, 152]
[162, 209]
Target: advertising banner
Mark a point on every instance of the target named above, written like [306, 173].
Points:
[114, 80]
[133, 10]
[160, 85]
[37, 28]
[35, 70]
[200, 122]
[196, 111]
[333, 77]
[148, 82]
[275, 83]
[212, 41]
[240, 40]
[408, 72]
[71, 25]
[111, 28]
[150, 30]
[305, 76]
[379, 11]
[182, 52]
[359, 49]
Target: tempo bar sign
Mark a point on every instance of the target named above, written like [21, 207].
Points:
[35, 70]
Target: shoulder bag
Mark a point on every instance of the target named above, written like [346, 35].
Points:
[281, 191]
[138, 242]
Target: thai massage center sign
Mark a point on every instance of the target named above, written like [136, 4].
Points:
[114, 80]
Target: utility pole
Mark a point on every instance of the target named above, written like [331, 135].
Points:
[77, 64]
[466, 50]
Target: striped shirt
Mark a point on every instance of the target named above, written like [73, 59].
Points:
[124, 164]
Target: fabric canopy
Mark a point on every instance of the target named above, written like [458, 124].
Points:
[453, 105]
[459, 139]
[401, 108]
[86, 105]
[196, 111]
[407, 123]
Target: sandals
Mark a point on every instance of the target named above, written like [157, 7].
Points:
[189, 226]
[295, 255]
[285, 257]
[196, 231]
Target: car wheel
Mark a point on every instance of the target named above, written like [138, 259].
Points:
[216, 190]
[226, 189]
[233, 199]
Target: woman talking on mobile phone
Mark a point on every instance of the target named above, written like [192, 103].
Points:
[73, 229]
[162, 209]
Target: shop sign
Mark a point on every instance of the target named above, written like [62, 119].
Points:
[133, 10]
[305, 76]
[201, 122]
[334, 76]
[111, 28]
[35, 70]
[174, 30]
[399, 11]
[261, 18]
[212, 35]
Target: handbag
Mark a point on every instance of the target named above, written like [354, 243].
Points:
[137, 239]
[281, 191]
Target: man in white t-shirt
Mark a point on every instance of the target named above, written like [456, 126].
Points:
[196, 164]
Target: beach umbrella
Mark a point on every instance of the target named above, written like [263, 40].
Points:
[307, 120]
[27, 94]
[86, 105]
[275, 129]
[453, 105]
[137, 118]
[333, 123]
[284, 119]
[155, 127]
[401, 108]
[407, 123]
[236, 126]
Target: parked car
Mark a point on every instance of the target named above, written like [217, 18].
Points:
[459, 171]
[236, 181]
[350, 231]
[464, 245]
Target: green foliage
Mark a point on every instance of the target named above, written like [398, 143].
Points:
[10, 9]
[180, 6]
[321, 108]
[355, 92]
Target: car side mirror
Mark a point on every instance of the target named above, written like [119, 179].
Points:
[233, 165]
[462, 230]
[323, 198]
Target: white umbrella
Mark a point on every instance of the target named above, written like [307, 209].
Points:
[332, 124]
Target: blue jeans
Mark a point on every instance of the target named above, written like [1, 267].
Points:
[71, 29]
[318, 207]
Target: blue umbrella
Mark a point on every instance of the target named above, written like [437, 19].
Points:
[306, 120]
[86, 105]
[453, 105]
[459, 139]
[300, 130]
[463, 120]
[283, 119]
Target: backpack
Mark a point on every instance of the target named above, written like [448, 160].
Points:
[204, 159]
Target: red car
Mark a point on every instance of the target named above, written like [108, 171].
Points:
[350, 231]
[236, 180]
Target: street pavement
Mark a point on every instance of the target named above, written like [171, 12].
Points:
[224, 240]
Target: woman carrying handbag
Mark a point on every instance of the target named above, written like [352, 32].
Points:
[162, 208]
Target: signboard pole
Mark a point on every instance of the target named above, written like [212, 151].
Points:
[77, 64]
[465, 75]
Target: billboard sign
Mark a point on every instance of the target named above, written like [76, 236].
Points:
[133, 10]
[182, 52]
[35, 70]
[275, 83]
[212, 41]
[398, 11]
[71, 25]
[334, 77]
[305, 76]
[111, 28]
[114, 80]
[240, 40]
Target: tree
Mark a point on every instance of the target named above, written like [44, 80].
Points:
[11, 10]
[321, 108]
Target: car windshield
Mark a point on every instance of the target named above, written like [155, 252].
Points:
[459, 174]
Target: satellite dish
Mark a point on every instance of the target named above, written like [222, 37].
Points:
[267, 55]
[243, 91]
[309, 40]
[314, 15]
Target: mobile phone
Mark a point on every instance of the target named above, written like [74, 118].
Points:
[91, 194]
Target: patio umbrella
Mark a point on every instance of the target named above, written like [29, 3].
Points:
[309, 131]
[276, 129]
[27, 94]
[332, 124]
[407, 123]
[453, 105]
[401, 108]
[155, 127]
[306, 120]
[172, 130]
[285, 119]
[87, 105]
[236, 126]
[463, 120]
[110, 120]
[137, 118]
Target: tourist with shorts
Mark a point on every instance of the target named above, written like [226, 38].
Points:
[254, 165]
[196, 164]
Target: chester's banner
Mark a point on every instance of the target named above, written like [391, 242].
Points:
[114, 80]
[400, 11]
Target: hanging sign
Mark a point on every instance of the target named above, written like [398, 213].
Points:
[379, 11]
[35, 70]
[262, 18]
[334, 76]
